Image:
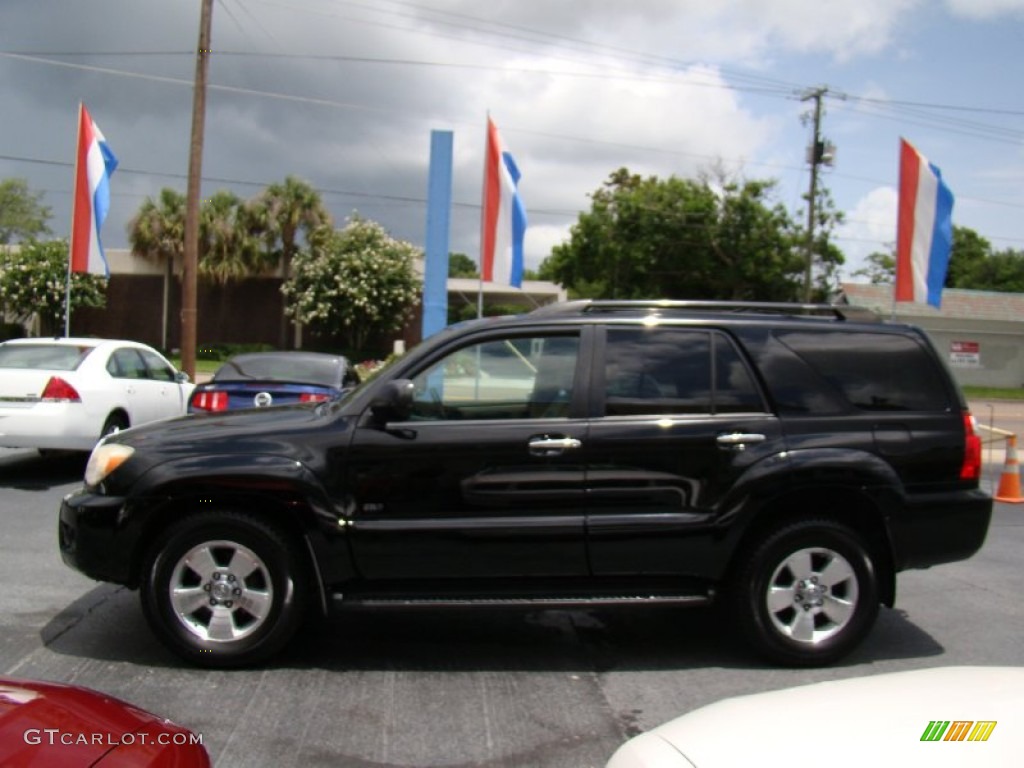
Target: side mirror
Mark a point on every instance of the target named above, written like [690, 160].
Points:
[393, 401]
[182, 377]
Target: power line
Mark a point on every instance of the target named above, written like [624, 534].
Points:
[565, 47]
[50, 57]
[404, 199]
[904, 112]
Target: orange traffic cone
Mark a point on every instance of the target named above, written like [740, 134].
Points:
[1009, 481]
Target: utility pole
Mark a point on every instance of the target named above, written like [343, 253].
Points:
[195, 174]
[815, 156]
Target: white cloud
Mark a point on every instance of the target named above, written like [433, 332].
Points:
[870, 226]
[540, 239]
[842, 29]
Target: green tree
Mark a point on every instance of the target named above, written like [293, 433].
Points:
[460, 265]
[968, 255]
[287, 211]
[356, 283]
[826, 258]
[879, 268]
[157, 233]
[1003, 271]
[230, 247]
[22, 214]
[679, 238]
[33, 280]
[753, 246]
[973, 265]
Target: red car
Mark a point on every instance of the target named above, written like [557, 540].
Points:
[66, 726]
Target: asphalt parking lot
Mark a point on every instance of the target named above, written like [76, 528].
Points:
[448, 688]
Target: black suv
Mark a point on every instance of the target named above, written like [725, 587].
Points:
[784, 460]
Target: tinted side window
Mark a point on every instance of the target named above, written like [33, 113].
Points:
[671, 370]
[873, 371]
[126, 363]
[510, 378]
[735, 391]
[158, 369]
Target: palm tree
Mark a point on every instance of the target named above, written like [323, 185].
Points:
[288, 210]
[230, 239]
[157, 232]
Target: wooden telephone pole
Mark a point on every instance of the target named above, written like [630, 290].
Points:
[195, 174]
[815, 157]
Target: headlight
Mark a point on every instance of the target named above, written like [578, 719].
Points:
[105, 458]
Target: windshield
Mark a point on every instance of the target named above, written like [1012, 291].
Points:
[325, 372]
[50, 357]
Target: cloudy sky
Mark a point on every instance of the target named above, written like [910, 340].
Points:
[346, 93]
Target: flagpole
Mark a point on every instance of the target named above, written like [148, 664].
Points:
[483, 219]
[71, 239]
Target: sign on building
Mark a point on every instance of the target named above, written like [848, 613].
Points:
[965, 354]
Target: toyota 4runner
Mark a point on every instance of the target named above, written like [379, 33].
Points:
[785, 461]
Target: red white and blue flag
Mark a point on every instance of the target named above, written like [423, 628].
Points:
[94, 163]
[924, 230]
[504, 216]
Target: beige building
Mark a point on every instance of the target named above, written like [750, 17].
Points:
[980, 333]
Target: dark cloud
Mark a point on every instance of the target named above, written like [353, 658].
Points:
[345, 95]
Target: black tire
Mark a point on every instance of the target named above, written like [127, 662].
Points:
[224, 589]
[114, 423]
[807, 593]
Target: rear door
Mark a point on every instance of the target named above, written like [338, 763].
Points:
[678, 418]
[171, 395]
[140, 394]
[486, 477]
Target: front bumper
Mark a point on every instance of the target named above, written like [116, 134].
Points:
[96, 537]
[940, 528]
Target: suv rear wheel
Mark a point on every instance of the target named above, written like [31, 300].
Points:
[224, 589]
[807, 594]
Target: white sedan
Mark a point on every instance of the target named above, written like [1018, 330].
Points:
[65, 394]
[947, 716]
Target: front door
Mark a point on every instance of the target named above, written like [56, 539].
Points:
[485, 479]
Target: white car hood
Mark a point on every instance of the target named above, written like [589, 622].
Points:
[865, 721]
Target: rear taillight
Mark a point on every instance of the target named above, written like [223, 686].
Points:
[59, 391]
[210, 401]
[313, 397]
[971, 468]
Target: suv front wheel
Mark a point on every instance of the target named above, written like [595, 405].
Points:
[224, 589]
[807, 593]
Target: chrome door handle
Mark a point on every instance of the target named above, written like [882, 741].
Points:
[552, 446]
[740, 438]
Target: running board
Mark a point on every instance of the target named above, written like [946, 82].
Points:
[404, 601]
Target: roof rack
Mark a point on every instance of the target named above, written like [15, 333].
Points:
[593, 306]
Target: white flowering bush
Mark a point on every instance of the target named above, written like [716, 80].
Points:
[33, 280]
[356, 283]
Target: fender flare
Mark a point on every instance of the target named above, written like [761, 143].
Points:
[854, 476]
[195, 478]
